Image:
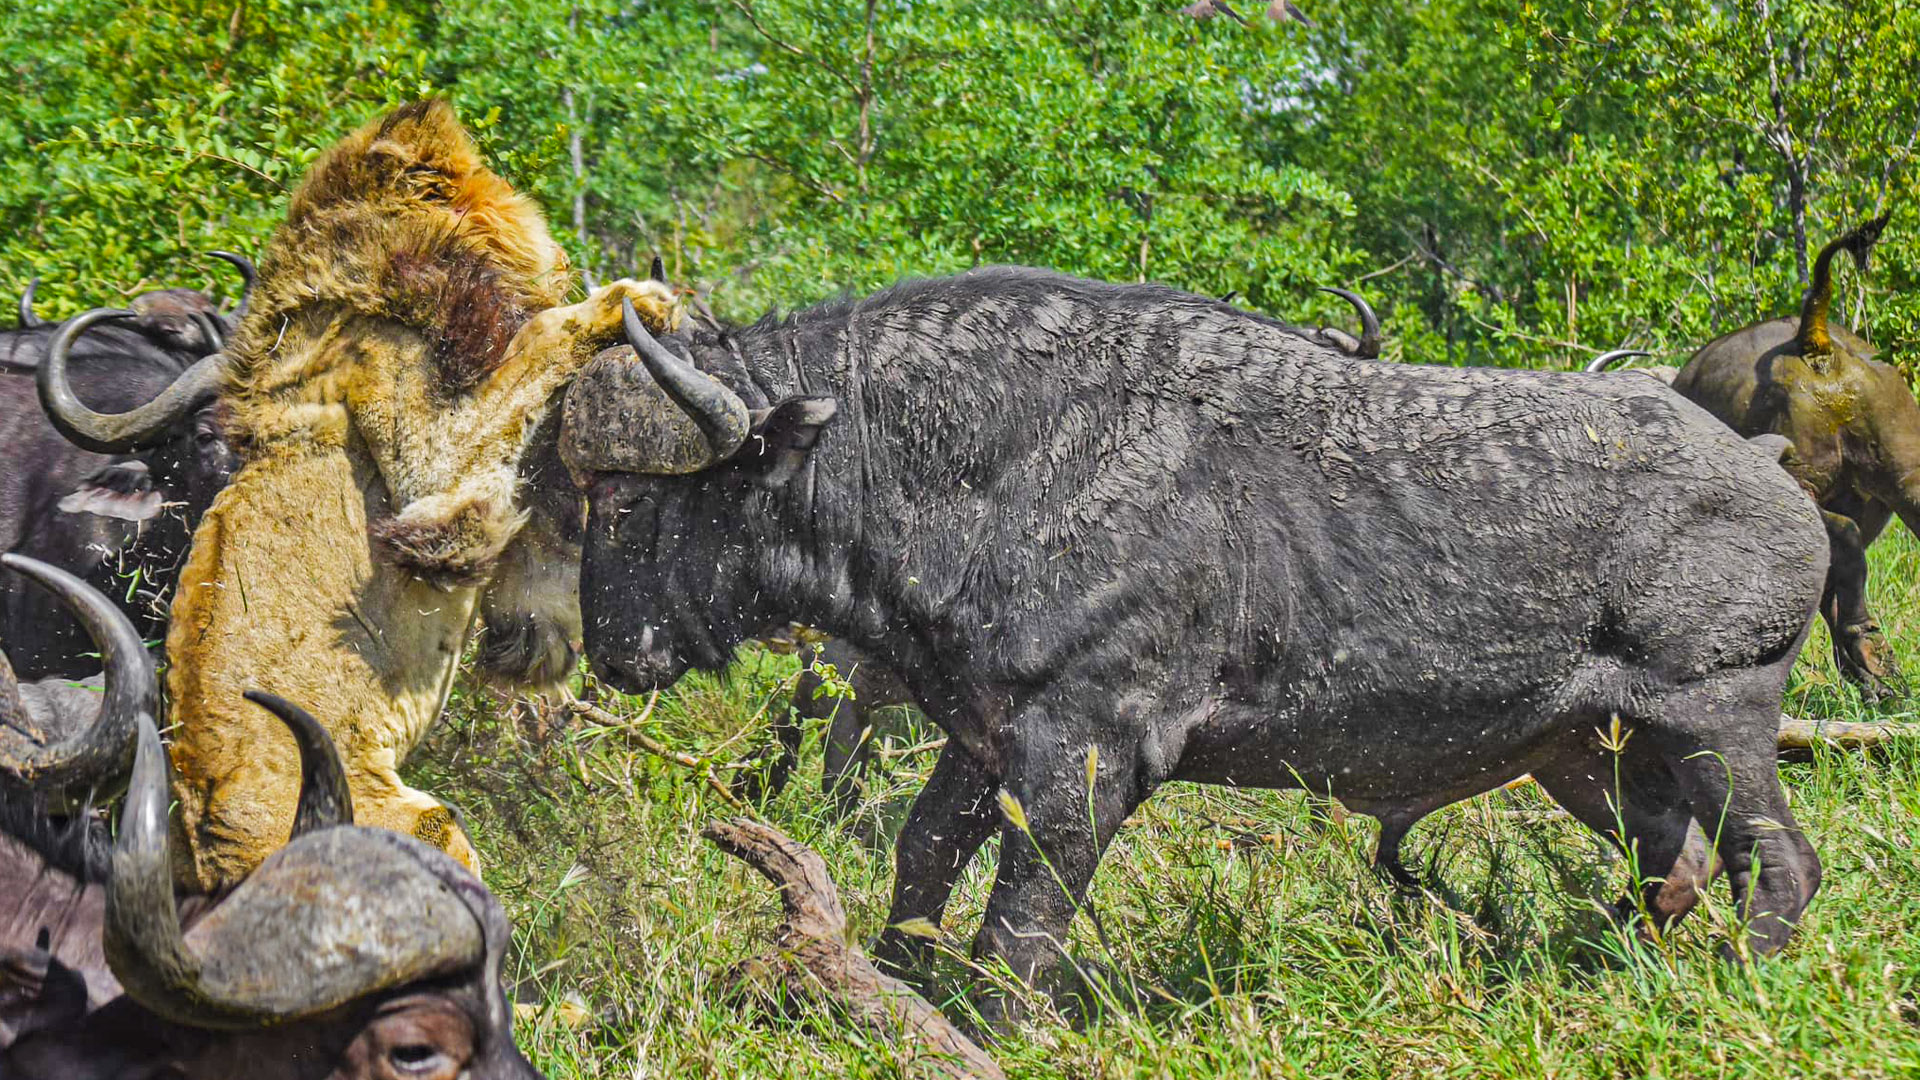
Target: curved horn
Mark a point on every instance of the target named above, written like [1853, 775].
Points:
[324, 798]
[1369, 347]
[657, 270]
[717, 411]
[141, 935]
[1607, 359]
[28, 320]
[91, 754]
[335, 915]
[115, 433]
[209, 330]
[248, 276]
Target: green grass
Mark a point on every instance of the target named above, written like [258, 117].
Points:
[1246, 938]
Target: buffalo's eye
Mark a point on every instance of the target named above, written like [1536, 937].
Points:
[420, 1059]
[419, 1038]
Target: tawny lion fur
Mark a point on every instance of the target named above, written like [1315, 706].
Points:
[400, 347]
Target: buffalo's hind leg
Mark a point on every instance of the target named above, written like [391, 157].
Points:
[1738, 801]
[1860, 651]
[1718, 736]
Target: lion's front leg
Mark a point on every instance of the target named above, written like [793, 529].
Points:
[561, 340]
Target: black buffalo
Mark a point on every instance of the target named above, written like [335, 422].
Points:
[352, 953]
[1113, 536]
[111, 495]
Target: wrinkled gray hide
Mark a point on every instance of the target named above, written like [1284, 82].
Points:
[1085, 520]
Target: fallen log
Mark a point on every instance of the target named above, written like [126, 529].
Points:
[1798, 734]
[814, 959]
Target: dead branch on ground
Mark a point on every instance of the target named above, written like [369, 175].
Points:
[814, 959]
[1799, 734]
[629, 730]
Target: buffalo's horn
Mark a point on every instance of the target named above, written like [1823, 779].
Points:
[116, 433]
[248, 275]
[334, 916]
[1861, 240]
[717, 411]
[1369, 347]
[1607, 359]
[324, 798]
[210, 331]
[80, 755]
[657, 270]
[28, 320]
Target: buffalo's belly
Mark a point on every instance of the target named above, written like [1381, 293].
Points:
[1398, 748]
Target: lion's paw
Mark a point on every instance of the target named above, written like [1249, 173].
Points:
[654, 301]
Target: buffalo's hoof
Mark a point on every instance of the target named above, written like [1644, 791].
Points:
[901, 954]
[1864, 658]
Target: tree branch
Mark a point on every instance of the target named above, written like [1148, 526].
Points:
[629, 729]
[783, 45]
[813, 957]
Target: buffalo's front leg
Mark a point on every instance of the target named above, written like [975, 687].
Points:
[1047, 865]
[1859, 650]
[953, 815]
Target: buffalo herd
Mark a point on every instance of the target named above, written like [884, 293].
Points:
[1103, 536]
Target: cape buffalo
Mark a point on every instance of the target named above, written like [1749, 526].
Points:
[1855, 430]
[113, 499]
[351, 953]
[1112, 536]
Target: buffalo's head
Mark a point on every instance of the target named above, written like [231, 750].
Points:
[352, 946]
[170, 451]
[680, 470]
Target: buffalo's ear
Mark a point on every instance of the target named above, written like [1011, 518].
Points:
[121, 490]
[780, 438]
